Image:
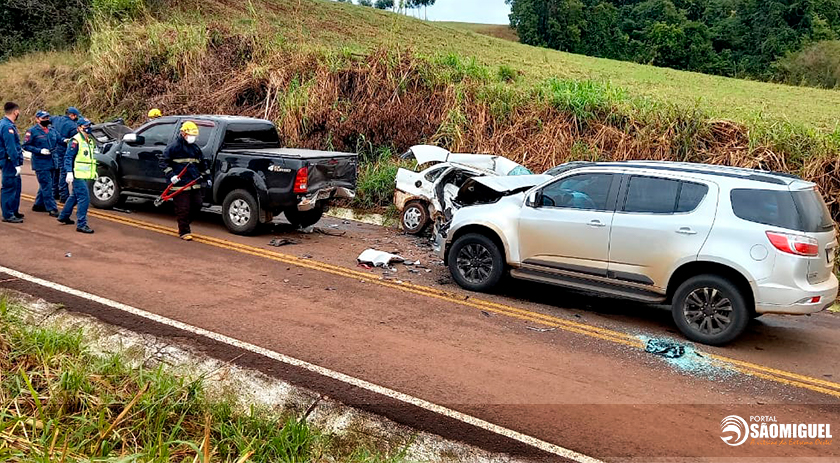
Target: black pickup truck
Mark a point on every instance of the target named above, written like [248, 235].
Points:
[253, 177]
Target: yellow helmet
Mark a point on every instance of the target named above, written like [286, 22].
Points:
[189, 128]
[154, 113]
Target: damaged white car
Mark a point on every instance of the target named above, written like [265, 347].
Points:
[425, 196]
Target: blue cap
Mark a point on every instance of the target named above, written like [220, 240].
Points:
[42, 114]
[83, 121]
[74, 110]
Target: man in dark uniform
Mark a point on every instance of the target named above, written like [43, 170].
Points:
[66, 126]
[11, 162]
[180, 153]
[40, 141]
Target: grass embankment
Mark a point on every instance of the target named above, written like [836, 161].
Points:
[345, 77]
[60, 402]
[500, 31]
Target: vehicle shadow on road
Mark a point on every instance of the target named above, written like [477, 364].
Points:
[770, 333]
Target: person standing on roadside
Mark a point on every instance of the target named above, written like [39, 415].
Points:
[11, 158]
[80, 168]
[66, 127]
[180, 153]
[40, 141]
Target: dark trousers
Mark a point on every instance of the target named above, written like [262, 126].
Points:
[45, 196]
[55, 181]
[187, 206]
[10, 193]
[80, 197]
[63, 187]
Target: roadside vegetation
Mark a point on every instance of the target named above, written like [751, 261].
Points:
[340, 76]
[60, 402]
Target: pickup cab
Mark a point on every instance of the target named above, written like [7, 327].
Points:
[253, 178]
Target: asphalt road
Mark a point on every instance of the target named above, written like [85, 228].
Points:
[565, 368]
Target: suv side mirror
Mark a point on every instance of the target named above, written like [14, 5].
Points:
[133, 139]
[533, 199]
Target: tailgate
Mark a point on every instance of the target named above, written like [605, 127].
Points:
[334, 171]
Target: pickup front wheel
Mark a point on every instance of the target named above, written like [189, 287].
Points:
[302, 219]
[105, 191]
[241, 212]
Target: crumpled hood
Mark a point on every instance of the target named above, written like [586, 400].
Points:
[482, 190]
[499, 165]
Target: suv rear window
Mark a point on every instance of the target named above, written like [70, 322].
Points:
[802, 210]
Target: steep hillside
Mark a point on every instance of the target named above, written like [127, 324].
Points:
[334, 75]
[500, 31]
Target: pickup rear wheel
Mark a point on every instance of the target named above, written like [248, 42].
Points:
[241, 212]
[302, 219]
[105, 191]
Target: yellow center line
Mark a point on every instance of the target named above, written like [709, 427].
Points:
[748, 368]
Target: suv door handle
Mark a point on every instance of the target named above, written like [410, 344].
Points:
[686, 231]
[597, 224]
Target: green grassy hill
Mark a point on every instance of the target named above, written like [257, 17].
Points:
[335, 75]
[500, 31]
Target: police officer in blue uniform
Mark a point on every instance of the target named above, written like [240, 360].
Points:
[41, 141]
[66, 126]
[11, 158]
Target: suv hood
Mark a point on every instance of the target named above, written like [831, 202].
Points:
[482, 190]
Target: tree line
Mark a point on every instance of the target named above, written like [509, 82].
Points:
[738, 38]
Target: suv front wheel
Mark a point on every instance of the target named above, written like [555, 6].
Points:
[710, 310]
[476, 262]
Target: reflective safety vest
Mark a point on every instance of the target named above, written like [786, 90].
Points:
[84, 166]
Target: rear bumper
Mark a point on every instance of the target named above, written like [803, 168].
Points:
[796, 301]
[310, 201]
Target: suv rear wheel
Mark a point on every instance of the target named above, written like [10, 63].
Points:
[710, 310]
[476, 262]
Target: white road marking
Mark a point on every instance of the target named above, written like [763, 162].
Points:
[360, 383]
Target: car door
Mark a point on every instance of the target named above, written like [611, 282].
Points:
[660, 223]
[139, 168]
[568, 228]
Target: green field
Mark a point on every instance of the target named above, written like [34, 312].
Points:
[326, 24]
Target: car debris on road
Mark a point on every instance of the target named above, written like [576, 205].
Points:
[378, 258]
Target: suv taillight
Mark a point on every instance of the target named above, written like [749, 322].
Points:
[799, 245]
[301, 178]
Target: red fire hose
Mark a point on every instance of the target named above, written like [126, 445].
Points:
[166, 195]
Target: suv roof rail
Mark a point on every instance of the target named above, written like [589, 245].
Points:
[776, 178]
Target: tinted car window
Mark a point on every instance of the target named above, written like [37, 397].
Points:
[768, 207]
[814, 215]
[205, 129]
[691, 195]
[652, 195]
[158, 134]
[584, 191]
[251, 135]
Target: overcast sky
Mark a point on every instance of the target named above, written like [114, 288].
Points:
[471, 11]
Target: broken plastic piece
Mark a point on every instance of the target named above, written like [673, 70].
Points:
[378, 258]
[277, 242]
[667, 349]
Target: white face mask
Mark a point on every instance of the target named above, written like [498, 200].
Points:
[190, 139]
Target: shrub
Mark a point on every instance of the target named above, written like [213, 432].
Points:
[817, 65]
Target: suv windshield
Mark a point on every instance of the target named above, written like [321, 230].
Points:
[802, 210]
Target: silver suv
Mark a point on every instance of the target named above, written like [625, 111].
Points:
[721, 245]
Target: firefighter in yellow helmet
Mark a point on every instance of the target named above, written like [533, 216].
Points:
[178, 155]
[154, 113]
